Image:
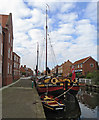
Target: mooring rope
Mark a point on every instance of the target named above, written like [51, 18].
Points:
[64, 92]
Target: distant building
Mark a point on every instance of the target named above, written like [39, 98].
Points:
[54, 71]
[16, 66]
[24, 71]
[85, 65]
[7, 37]
[63, 69]
[29, 72]
[60, 69]
[67, 68]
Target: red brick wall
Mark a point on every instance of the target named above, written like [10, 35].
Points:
[7, 77]
[87, 68]
[0, 60]
[66, 68]
[16, 66]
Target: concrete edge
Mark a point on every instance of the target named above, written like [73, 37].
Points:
[9, 85]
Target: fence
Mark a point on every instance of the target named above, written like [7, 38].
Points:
[84, 81]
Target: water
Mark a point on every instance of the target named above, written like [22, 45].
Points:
[89, 104]
[85, 106]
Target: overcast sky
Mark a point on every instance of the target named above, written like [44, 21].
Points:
[72, 30]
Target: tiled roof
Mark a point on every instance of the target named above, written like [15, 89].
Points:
[81, 61]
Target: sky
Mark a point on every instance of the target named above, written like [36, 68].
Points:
[72, 30]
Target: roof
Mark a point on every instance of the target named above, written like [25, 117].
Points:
[4, 20]
[16, 54]
[81, 60]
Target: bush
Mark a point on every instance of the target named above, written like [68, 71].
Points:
[90, 75]
[23, 73]
[82, 76]
[94, 76]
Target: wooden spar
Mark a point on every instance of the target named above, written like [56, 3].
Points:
[37, 59]
[46, 40]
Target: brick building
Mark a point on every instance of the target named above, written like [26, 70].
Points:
[85, 65]
[1, 49]
[67, 68]
[16, 66]
[25, 71]
[7, 37]
[30, 72]
[63, 69]
[54, 71]
[60, 69]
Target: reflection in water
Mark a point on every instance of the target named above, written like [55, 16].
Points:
[71, 111]
[84, 105]
[89, 103]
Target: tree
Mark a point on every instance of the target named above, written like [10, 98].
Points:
[23, 73]
[94, 76]
[90, 75]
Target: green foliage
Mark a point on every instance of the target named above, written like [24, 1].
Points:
[90, 75]
[94, 76]
[23, 73]
[82, 76]
[77, 75]
[70, 75]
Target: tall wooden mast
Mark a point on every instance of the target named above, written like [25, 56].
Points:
[37, 58]
[46, 39]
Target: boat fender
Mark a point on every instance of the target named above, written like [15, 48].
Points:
[54, 80]
[75, 81]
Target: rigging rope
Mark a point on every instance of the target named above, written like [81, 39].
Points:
[41, 56]
[52, 51]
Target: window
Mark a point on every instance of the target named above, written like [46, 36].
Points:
[14, 65]
[91, 65]
[9, 53]
[11, 42]
[9, 37]
[8, 68]
[78, 66]
[14, 57]
[81, 65]
[0, 29]
[1, 48]
[0, 67]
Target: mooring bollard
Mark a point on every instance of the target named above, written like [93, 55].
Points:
[32, 84]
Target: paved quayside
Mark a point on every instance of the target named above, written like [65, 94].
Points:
[21, 101]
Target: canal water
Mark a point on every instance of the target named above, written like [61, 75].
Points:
[85, 106]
